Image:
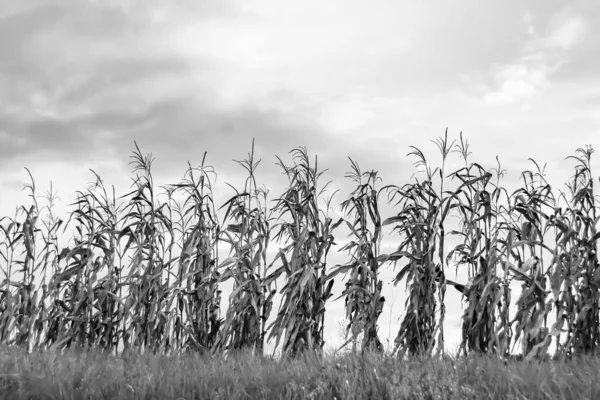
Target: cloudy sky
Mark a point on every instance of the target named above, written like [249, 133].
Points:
[81, 80]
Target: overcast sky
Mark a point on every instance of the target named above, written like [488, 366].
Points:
[81, 80]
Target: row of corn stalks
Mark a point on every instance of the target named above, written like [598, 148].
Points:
[145, 274]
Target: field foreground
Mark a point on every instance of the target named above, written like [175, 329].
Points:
[94, 375]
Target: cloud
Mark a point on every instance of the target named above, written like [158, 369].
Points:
[528, 19]
[86, 79]
[519, 81]
[542, 56]
[76, 77]
[567, 32]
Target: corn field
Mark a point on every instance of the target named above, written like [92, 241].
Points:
[143, 271]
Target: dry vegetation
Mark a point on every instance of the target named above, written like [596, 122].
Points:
[94, 375]
[141, 275]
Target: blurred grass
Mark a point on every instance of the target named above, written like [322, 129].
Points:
[92, 374]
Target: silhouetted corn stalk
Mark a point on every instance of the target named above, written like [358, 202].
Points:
[174, 336]
[480, 251]
[22, 298]
[197, 316]
[27, 307]
[144, 228]
[11, 237]
[85, 310]
[248, 234]
[420, 223]
[575, 279]
[301, 315]
[364, 301]
[529, 214]
[49, 260]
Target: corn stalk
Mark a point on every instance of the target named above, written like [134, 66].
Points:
[197, 316]
[301, 317]
[248, 234]
[363, 298]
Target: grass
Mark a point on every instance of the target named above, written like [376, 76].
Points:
[93, 374]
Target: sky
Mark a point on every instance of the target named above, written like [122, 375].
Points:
[81, 80]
